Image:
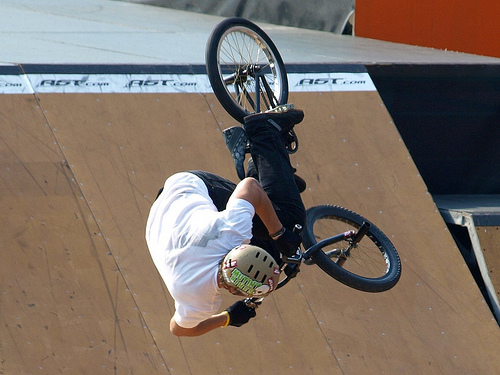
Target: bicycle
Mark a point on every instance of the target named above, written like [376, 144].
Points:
[248, 76]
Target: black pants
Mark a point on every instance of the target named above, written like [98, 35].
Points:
[273, 170]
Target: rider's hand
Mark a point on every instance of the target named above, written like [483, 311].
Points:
[240, 313]
[288, 242]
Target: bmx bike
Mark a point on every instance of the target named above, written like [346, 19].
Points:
[248, 76]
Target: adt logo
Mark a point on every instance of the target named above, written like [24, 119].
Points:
[84, 82]
[329, 81]
[158, 82]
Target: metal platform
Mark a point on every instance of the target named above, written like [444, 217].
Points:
[483, 210]
[475, 212]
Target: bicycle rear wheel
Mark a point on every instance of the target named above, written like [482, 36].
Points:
[245, 68]
[372, 265]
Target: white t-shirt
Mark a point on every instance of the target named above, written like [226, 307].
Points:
[187, 238]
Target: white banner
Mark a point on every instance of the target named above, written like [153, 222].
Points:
[15, 84]
[119, 83]
[167, 83]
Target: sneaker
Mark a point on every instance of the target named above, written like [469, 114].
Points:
[283, 119]
[236, 141]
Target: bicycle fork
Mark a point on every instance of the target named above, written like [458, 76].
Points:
[340, 254]
[343, 254]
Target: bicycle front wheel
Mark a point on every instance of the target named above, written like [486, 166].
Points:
[371, 265]
[245, 68]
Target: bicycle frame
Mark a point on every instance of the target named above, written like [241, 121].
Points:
[239, 54]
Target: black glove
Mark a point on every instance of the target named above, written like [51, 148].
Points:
[240, 313]
[288, 242]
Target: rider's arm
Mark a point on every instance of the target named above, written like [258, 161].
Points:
[215, 321]
[250, 190]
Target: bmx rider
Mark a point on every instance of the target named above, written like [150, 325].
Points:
[205, 233]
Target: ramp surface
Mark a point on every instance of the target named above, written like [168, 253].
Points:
[80, 293]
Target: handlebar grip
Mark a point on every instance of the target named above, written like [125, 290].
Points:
[253, 302]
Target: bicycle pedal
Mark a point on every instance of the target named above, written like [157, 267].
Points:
[281, 108]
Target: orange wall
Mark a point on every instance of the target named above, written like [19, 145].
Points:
[471, 26]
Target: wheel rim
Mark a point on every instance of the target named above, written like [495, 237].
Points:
[241, 56]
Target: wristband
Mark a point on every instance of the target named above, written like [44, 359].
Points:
[278, 233]
[228, 319]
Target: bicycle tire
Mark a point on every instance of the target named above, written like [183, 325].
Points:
[237, 52]
[373, 266]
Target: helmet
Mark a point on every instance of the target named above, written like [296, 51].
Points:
[250, 269]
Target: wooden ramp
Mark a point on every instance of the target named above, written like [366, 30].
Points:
[79, 292]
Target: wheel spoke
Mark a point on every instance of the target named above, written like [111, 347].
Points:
[239, 56]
